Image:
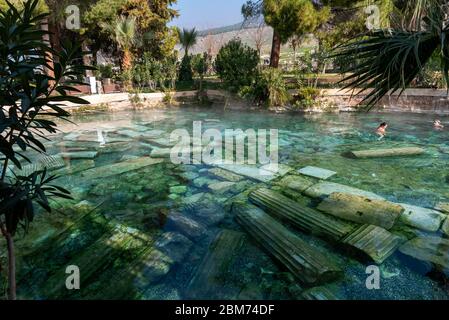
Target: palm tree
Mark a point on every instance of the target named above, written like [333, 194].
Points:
[389, 60]
[188, 38]
[123, 33]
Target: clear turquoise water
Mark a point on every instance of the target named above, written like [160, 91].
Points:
[144, 198]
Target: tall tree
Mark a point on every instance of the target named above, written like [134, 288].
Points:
[123, 33]
[187, 39]
[288, 18]
[151, 17]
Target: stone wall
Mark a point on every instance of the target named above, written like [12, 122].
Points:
[331, 100]
[412, 100]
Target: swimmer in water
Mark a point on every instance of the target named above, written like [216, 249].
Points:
[381, 131]
[438, 125]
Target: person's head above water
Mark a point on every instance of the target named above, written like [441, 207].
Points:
[383, 125]
[437, 124]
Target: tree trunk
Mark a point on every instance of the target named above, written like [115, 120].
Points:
[55, 37]
[127, 60]
[11, 267]
[46, 38]
[87, 60]
[275, 50]
[11, 262]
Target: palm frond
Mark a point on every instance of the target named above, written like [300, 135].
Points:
[188, 38]
[122, 31]
[387, 61]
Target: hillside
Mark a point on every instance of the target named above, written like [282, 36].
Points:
[211, 40]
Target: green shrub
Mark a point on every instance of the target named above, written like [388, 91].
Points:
[431, 75]
[185, 70]
[200, 66]
[306, 97]
[268, 89]
[151, 73]
[105, 71]
[236, 64]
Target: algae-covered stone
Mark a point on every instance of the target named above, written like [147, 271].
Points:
[393, 152]
[320, 293]
[161, 153]
[372, 243]
[443, 207]
[311, 265]
[189, 227]
[194, 198]
[79, 155]
[296, 183]
[250, 172]
[324, 188]
[278, 168]
[151, 268]
[445, 227]
[208, 212]
[209, 281]
[316, 172]
[178, 189]
[43, 162]
[78, 145]
[189, 176]
[162, 142]
[251, 291]
[362, 210]
[203, 181]
[404, 231]
[422, 218]
[300, 216]
[130, 133]
[430, 250]
[97, 257]
[174, 245]
[221, 186]
[154, 133]
[225, 175]
[173, 196]
[120, 167]
[128, 157]
[76, 166]
[114, 147]
[161, 292]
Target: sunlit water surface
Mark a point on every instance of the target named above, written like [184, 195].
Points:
[144, 199]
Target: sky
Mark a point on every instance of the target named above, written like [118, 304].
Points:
[206, 14]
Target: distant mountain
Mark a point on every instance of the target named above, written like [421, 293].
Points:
[234, 27]
[250, 33]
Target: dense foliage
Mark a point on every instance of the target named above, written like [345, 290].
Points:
[268, 89]
[30, 99]
[153, 73]
[185, 69]
[236, 64]
[151, 18]
[200, 66]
